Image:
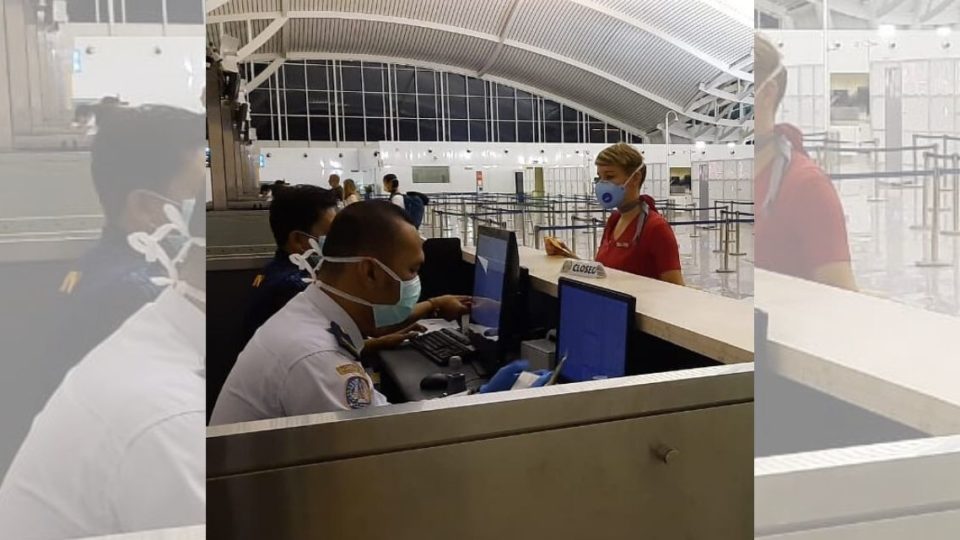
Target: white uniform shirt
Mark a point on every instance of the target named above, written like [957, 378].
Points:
[397, 199]
[119, 447]
[294, 365]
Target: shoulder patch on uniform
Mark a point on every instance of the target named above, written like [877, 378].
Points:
[350, 368]
[70, 281]
[257, 280]
[358, 392]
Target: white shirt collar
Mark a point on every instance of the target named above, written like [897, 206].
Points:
[186, 318]
[332, 310]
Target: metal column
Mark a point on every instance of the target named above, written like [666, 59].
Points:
[6, 105]
[218, 158]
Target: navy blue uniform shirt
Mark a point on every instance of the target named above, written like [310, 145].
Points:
[98, 293]
[278, 282]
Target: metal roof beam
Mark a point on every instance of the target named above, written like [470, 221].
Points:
[511, 14]
[264, 75]
[935, 10]
[257, 42]
[726, 95]
[686, 47]
[212, 5]
[278, 23]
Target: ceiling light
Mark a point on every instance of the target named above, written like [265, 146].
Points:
[886, 30]
[943, 31]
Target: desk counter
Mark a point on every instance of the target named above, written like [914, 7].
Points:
[892, 359]
[717, 327]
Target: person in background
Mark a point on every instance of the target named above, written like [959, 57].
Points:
[350, 194]
[266, 192]
[636, 238]
[800, 226]
[392, 186]
[334, 182]
[142, 159]
[306, 359]
[297, 214]
[119, 447]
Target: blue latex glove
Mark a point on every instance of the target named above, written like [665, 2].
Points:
[544, 377]
[504, 378]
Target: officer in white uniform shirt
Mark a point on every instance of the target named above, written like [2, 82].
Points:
[119, 447]
[306, 358]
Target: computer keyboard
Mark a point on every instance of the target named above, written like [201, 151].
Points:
[440, 345]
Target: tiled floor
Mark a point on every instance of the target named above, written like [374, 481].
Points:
[886, 245]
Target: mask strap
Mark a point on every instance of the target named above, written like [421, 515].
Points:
[341, 294]
[150, 246]
[630, 206]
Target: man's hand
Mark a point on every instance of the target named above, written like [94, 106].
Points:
[451, 307]
[394, 340]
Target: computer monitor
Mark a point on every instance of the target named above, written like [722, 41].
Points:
[594, 331]
[496, 286]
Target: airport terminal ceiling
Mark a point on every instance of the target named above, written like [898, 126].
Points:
[571, 50]
[855, 14]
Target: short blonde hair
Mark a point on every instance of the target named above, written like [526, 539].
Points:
[624, 156]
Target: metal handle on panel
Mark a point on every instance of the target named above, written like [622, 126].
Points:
[666, 454]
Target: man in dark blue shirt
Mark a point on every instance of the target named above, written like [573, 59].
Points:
[142, 159]
[297, 214]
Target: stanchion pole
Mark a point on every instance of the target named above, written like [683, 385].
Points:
[934, 260]
[876, 180]
[720, 233]
[523, 225]
[736, 228]
[725, 228]
[924, 196]
[593, 245]
[463, 221]
[955, 186]
[536, 236]
[693, 232]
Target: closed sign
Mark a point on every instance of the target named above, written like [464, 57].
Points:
[590, 269]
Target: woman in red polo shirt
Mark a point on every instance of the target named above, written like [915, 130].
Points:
[800, 225]
[636, 239]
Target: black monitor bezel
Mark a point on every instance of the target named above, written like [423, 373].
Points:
[508, 325]
[629, 325]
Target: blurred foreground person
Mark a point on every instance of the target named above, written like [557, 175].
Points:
[119, 447]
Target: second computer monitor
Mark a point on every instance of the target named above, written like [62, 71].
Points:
[495, 280]
[594, 334]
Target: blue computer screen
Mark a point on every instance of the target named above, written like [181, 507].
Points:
[592, 334]
[488, 277]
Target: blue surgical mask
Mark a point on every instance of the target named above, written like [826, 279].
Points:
[383, 314]
[611, 195]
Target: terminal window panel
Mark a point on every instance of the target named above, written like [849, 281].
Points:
[370, 101]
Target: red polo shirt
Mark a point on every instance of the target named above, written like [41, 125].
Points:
[803, 228]
[651, 254]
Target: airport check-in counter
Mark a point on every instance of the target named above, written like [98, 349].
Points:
[858, 411]
[662, 455]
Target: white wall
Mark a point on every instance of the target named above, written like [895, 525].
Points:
[805, 47]
[290, 164]
[497, 161]
[175, 77]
